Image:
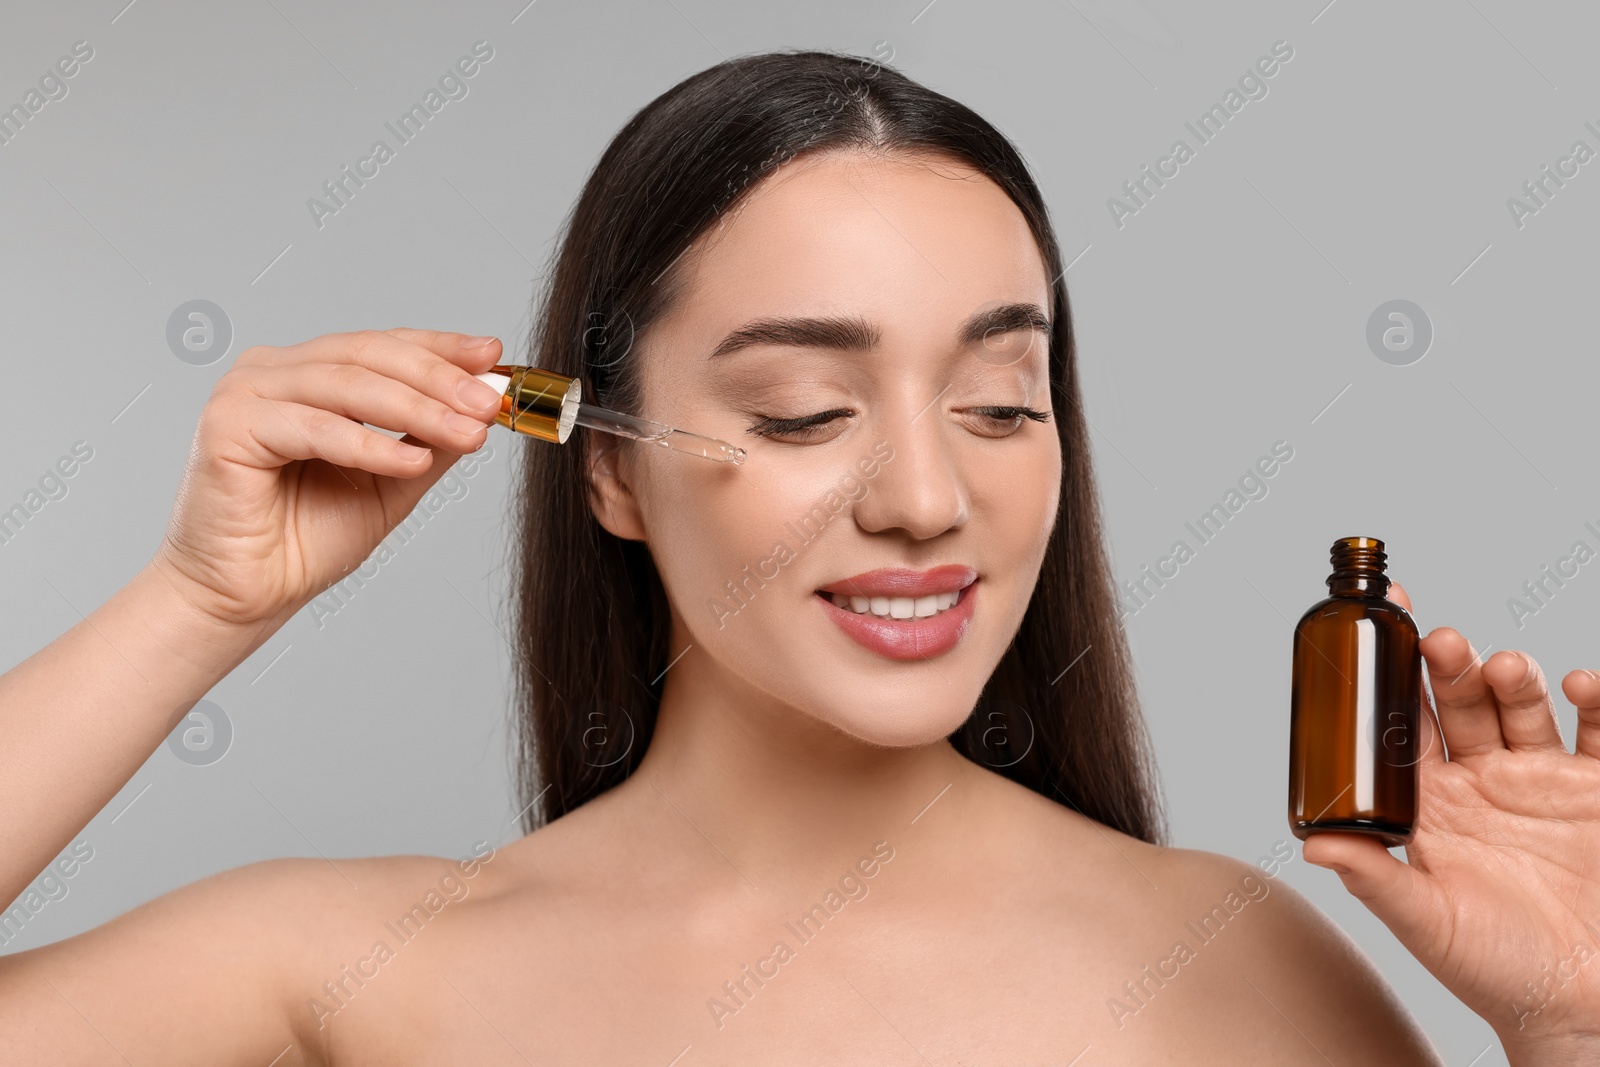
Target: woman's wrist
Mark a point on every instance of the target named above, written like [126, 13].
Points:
[1552, 1050]
[207, 643]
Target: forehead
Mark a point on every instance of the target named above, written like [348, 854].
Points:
[907, 240]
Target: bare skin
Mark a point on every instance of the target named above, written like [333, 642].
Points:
[972, 920]
[602, 938]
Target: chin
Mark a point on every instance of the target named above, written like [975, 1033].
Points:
[915, 723]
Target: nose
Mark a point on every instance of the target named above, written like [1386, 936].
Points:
[921, 488]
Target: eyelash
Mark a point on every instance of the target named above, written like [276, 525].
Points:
[770, 426]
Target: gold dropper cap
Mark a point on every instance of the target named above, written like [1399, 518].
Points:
[539, 402]
[548, 405]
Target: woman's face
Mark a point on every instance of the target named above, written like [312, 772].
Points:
[911, 472]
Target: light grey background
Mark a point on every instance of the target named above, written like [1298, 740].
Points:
[1229, 313]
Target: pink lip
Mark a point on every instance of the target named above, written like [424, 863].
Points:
[906, 639]
[902, 581]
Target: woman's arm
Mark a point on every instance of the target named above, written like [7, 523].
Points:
[82, 714]
[287, 488]
[210, 973]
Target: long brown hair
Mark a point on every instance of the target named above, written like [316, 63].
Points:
[1059, 715]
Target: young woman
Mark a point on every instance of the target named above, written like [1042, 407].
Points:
[772, 819]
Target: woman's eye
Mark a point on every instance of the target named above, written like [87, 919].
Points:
[1006, 418]
[799, 428]
[1009, 417]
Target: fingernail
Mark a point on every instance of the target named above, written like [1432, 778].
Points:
[462, 424]
[476, 342]
[476, 394]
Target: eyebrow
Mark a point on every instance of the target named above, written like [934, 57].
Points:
[855, 334]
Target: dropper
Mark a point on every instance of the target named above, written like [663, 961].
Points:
[547, 405]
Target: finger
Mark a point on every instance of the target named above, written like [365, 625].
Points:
[1393, 890]
[364, 395]
[281, 431]
[1583, 689]
[1432, 739]
[475, 354]
[1527, 717]
[1468, 714]
[422, 368]
[1398, 594]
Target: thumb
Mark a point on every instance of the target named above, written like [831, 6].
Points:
[1393, 890]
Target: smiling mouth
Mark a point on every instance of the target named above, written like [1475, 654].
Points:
[897, 607]
[906, 628]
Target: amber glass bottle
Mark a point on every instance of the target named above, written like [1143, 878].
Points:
[1354, 726]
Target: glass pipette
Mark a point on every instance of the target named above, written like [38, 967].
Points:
[547, 405]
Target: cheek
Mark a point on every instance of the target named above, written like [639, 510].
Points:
[710, 524]
[1015, 504]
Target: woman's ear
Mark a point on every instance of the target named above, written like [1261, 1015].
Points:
[610, 496]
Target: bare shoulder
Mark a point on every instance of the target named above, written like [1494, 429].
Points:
[1184, 948]
[1277, 964]
[214, 970]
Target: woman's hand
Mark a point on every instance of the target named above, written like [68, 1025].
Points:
[285, 491]
[1499, 896]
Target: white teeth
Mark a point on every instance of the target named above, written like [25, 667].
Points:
[897, 607]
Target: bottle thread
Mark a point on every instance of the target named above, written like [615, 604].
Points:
[1358, 567]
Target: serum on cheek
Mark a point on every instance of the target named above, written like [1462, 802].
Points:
[548, 405]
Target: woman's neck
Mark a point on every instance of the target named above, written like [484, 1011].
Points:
[775, 789]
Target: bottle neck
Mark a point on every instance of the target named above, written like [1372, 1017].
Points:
[1358, 585]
